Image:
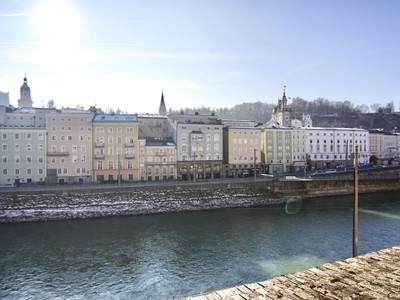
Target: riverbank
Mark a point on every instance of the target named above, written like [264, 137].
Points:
[73, 204]
[94, 202]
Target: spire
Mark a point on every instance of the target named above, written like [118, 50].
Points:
[284, 100]
[162, 110]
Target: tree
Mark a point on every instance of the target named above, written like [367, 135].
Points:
[375, 107]
[51, 104]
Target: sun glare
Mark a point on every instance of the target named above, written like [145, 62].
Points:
[57, 21]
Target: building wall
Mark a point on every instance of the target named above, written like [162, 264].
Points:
[23, 155]
[69, 147]
[157, 162]
[241, 151]
[278, 149]
[115, 150]
[328, 147]
[152, 126]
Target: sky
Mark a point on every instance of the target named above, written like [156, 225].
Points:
[212, 53]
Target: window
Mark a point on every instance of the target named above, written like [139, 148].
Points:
[83, 149]
[16, 171]
[5, 147]
[29, 136]
[99, 165]
[184, 137]
[110, 164]
[16, 159]
[130, 164]
[83, 158]
[110, 129]
[40, 136]
[5, 171]
[28, 159]
[5, 159]
[16, 147]
[40, 159]
[216, 137]
[4, 136]
[40, 172]
[40, 147]
[16, 136]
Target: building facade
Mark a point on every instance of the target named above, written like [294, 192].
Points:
[115, 148]
[199, 141]
[242, 157]
[69, 147]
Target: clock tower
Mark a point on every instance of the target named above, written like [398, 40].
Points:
[283, 112]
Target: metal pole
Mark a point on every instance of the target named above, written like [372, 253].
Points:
[355, 209]
[194, 167]
[255, 161]
[119, 170]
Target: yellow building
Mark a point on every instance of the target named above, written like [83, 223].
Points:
[115, 157]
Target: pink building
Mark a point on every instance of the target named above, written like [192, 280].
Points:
[69, 147]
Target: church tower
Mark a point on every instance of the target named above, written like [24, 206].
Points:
[162, 110]
[25, 91]
[283, 111]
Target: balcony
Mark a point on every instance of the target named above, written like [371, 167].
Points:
[161, 154]
[129, 144]
[99, 144]
[99, 156]
[66, 153]
[129, 155]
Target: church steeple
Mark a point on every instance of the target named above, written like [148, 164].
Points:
[25, 91]
[162, 110]
[284, 100]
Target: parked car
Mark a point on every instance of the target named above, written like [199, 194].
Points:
[329, 171]
[8, 185]
[30, 184]
[318, 172]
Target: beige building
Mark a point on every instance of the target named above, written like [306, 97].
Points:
[242, 144]
[376, 146]
[157, 159]
[115, 148]
[69, 146]
[152, 126]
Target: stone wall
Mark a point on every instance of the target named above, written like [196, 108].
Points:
[73, 204]
[121, 201]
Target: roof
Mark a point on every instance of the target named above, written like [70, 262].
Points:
[115, 118]
[160, 142]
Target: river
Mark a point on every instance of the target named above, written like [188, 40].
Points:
[181, 254]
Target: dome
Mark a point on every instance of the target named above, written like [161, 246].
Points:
[25, 87]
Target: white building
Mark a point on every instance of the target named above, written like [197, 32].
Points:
[199, 145]
[328, 147]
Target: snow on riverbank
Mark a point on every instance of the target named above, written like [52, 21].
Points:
[77, 204]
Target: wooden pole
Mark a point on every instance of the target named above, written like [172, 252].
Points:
[355, 209]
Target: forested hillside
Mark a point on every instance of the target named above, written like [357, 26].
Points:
[323, 112]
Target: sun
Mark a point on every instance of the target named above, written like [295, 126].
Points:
[57, 21]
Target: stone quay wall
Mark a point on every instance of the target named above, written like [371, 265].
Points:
[62, 204]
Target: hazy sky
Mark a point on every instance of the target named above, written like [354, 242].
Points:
[122, 54]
